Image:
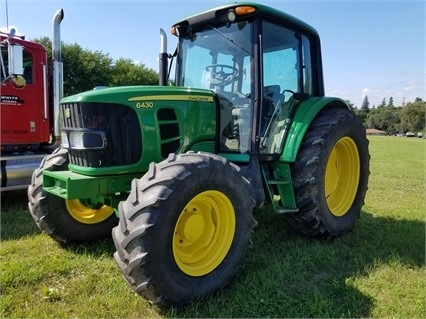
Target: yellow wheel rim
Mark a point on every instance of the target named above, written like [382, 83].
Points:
[87, 215]
[203, 233]
[342, 176]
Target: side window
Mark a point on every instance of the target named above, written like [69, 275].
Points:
[286, 68]
[28, 67]
[195, 77]
[246, 80]
[280, 57]
[4, 63]
[307, 66]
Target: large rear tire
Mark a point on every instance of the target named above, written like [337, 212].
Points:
[66, 220]
[185, 228]
[330, 175]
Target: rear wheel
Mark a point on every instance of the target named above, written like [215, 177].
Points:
[185, 228]
[330, 175]
[66, 220]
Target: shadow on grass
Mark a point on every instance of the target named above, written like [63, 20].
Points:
[286, 275]
[99, 248]
[16, 221]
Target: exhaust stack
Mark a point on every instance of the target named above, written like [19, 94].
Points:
[163, 58]
[58, 79]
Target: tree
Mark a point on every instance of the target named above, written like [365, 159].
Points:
[365, 104]
[125, 72]
[385, 119]
[413, 116]
[362, 116]
[390, 103]
[383, 104]
[350, 104]
[85, 69]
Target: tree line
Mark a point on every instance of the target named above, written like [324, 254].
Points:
[84, 69]
[393, 119]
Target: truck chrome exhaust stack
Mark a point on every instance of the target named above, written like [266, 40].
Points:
[58, 79]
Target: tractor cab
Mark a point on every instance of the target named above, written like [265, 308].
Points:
[259, 68]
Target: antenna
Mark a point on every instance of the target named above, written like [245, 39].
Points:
[7, 18]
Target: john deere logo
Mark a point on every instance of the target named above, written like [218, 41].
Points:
[67, 113]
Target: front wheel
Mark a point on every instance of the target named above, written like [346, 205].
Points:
[330, 175]
[66, 220]
[185, 228]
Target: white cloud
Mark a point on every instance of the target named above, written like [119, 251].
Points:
[398, 90]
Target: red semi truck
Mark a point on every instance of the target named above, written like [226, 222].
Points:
[31, 88]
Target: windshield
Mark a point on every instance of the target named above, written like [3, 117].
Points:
[220, 59]
[230, 46]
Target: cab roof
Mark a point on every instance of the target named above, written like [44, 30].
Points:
[20, 41]
[217, 15]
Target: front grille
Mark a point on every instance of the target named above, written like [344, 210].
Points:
[120, 125]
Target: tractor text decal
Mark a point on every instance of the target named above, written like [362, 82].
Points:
[145, 105]
[146, 102]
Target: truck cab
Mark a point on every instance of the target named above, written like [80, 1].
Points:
[25, 113]
[31, 87]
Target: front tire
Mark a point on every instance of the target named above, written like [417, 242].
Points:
[330, 175]
[185, 228]
[66, 220]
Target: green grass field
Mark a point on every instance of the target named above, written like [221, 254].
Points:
[377, 270]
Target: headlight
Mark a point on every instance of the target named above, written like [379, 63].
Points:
[84, 140]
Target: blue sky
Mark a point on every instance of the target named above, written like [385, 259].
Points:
[373, 48]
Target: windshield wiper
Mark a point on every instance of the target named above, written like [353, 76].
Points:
[229, 39]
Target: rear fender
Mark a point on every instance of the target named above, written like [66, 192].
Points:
[306, 111]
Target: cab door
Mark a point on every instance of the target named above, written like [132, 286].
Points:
[287, 73]
[24, 111]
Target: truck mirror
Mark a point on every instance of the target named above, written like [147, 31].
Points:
[17, 81]
[16, 59]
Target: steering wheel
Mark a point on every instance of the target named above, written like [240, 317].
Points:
[219, 76]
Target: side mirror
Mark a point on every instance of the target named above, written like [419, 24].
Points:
[16, 59]
[17, 81]
[15, 66]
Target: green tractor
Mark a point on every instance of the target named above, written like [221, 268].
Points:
[176, 171]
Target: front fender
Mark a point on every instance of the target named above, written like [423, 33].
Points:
[305, 113]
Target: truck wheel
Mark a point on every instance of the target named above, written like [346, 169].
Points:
[185, 228]
[330, 175]
[66, 220]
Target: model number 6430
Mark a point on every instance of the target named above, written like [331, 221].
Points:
[144, 105]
